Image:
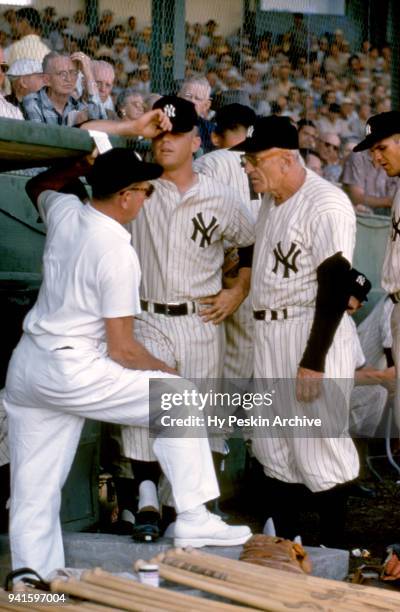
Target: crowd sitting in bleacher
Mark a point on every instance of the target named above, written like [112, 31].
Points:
[317, 79]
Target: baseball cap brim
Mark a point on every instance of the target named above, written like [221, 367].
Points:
[371, 140]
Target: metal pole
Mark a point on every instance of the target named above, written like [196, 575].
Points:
[167, 62]
[92, 14]
[394, 24]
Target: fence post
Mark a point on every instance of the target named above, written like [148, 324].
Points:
[167, 61]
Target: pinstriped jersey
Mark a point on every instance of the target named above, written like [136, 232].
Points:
[391, 264]
[294, 238]
[225, 166]
[179, 238]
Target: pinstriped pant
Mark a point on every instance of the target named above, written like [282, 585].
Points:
[319, 463]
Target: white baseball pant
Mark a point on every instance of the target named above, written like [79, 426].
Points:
[49, 393]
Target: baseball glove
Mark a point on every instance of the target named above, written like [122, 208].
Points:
[271, 551]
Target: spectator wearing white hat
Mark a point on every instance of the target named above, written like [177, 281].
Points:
[26, 76]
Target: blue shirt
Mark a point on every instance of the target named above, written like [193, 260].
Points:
[38, 107]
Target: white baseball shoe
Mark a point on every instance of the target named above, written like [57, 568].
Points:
[212, 532]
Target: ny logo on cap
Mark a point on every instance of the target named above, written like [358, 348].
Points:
[368, 129]
[250, 131]
[360, 280]
[169, 110]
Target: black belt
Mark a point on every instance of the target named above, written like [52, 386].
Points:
[270, 315]
[395, 297]
[172, 310]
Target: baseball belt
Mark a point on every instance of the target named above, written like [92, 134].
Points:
[395, 297]
[171, 310]
[270, 315]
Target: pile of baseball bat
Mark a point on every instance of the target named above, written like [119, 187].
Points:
[269, 589]
[241, 585]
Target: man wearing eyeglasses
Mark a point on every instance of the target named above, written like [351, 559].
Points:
[300, 290]
[78, 358]
[55, 103]
[198, 91]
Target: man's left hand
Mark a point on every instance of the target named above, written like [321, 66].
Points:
[308, 384]
[220, 306]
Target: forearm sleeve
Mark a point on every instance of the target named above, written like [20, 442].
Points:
[331, 302]
[245, 255]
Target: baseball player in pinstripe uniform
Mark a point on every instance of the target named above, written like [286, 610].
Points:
[383, 140]
[305, 238]
[231, 125]
[375, 374]
[180, 243]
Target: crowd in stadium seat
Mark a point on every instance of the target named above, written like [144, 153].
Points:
[299, 74]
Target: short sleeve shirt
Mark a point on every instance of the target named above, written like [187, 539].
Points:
[90, 271]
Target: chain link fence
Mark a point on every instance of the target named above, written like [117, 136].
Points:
[322, 66]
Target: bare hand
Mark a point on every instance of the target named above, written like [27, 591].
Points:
[84, 62]
[151, 124]
[308, 384]
[220, 306]
[353, 305]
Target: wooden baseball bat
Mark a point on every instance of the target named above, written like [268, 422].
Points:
[270, 579]
[139, 592]
[103, 596]
[218, 587]
[99, 576]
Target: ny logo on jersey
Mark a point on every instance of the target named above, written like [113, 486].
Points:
[395, 228]
[205, 231]
[287, 260]
[169, 110]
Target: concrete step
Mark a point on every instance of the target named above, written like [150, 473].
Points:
[118, 554]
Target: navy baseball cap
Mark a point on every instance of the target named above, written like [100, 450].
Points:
[118, 168]
[181, 113]
[230, 116]
[269, 132]
[379, 127]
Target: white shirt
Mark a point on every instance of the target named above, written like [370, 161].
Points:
[294, 238]
[90, 271]
[9, 111]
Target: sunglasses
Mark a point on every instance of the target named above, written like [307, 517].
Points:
[4, 67]
[329, 144]
[146, 190]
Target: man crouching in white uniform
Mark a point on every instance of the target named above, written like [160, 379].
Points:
[78, 359]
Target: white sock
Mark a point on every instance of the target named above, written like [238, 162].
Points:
[269, 527]
[194, 515]
[148, 495]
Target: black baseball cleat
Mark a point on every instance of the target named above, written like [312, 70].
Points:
[147, 526]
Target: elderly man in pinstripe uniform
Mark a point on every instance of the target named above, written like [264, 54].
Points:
[300, 290]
